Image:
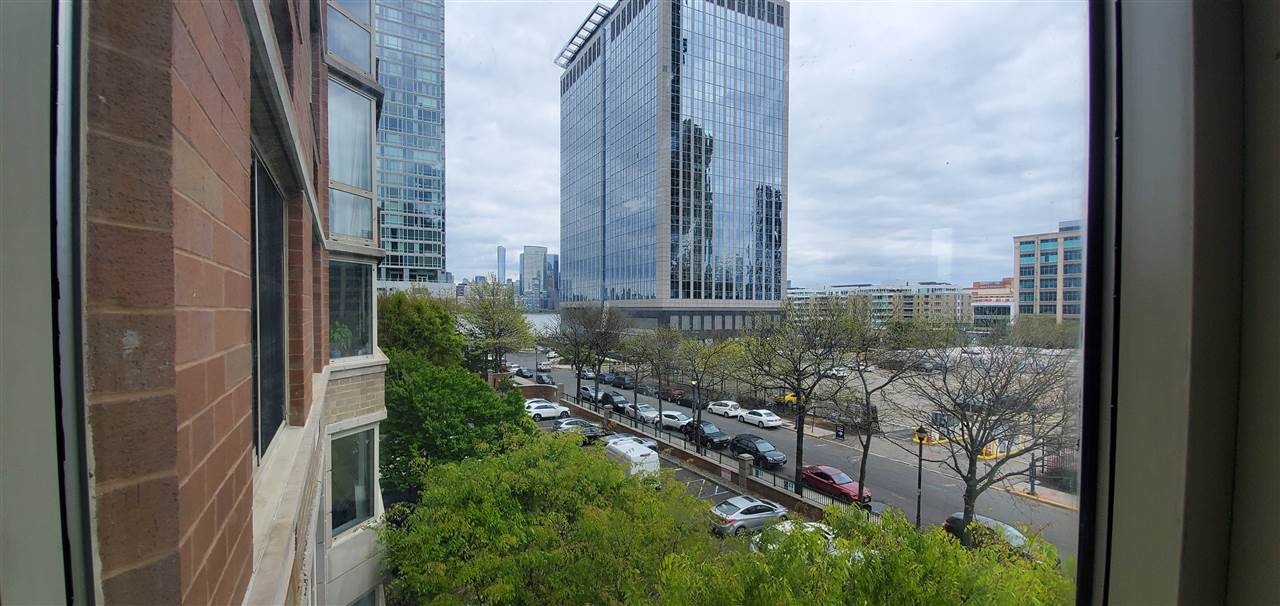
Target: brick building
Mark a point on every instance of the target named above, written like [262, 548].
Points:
[192, 387]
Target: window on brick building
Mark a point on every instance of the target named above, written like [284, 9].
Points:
[352, 479]
[350, 163]
[350, 309]
[351, 33]
[269, 372]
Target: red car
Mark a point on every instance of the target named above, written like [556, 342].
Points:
[833, 483]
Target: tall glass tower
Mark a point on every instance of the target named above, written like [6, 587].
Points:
[673, 161]
[411, 141]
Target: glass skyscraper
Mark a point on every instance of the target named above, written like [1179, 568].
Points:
[673, 126]
[411, 141]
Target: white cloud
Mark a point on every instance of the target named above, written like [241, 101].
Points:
[906, 118]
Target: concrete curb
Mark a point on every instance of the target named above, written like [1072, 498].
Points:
[1038, 499]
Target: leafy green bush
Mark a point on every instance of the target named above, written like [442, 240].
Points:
[420, 324]
[439, 415]
[549, 522]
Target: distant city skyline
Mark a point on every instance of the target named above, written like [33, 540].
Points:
[968, 117]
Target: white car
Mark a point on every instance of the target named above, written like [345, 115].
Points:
[760, 418]
[838, 372]
[531, 402]
[673, 420]
[644, 412]
[547, 410]
[770, 537]
[725, 408]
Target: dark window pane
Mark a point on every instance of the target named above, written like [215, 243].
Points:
[352, 480]
[350, 309]
[268, 310]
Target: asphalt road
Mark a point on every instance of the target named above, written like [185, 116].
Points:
[891, 473]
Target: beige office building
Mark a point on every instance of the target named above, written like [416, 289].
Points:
[1050, 272]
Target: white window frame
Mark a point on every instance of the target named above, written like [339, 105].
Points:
[335, 257]
[376, 494]
[373, 169]
[366, 26]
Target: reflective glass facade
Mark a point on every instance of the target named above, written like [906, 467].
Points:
[673, 155]
[410, 44]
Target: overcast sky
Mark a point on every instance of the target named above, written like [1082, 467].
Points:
[924, 135]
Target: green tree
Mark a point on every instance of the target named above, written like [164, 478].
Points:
[421, 324]
[546, 522]
[707, 364]
[653, 354]
[795, 351]
[492, 323]
[571, 336]
[1042, 331]
[438, 415]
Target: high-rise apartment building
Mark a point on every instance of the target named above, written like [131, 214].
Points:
[551, 298]
[993, 303]
[533, 276]
[1050, 272]
[673, 163]
[905, 301]
[191, 387]
[411, 141]
[502, 265]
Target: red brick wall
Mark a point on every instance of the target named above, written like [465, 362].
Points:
[128, 313]
[167, 299]
[212, 299]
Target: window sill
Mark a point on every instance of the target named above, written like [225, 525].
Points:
[358, 248]
[355, 366]
[280, 492]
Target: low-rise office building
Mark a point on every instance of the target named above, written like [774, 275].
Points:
[1050, 272]
[905, 301]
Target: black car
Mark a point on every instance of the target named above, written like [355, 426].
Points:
[590, 434]
[706, 433]
[606, 378]
[764, 453]
[687, 401]
[623, 382]
[524, 373]
[646, 389]
[544, 379]
[616, 401]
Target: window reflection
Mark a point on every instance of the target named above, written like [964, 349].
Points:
[350, 41]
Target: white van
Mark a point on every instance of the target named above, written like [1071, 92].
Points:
[635, 458]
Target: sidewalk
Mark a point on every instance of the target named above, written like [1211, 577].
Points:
[1045, 495]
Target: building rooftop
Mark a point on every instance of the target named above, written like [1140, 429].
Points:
[588, 28]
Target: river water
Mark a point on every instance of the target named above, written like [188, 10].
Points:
[541, 322]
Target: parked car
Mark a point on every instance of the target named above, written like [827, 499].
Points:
[586, 375]
[837, 372]
[606, 378]
[643, 412]
[635, 458]
[591, 434]
[646, 442]
[547, 410]
[686, 400]
[673, 420]
[588, 393]
[706, 433]
[760, 418]
[833, 483]
[786, 399]
[743, 514]
[624, 382]
[524, 373]
[955, 526]
[670, 394]
[544, 367]
[511, 366]
[771, 537]
[551, 354]
[646, 389]
[760, 449]
[543, 378]
[572, 424]
[616, 401]
[725, 408]
[531, 401]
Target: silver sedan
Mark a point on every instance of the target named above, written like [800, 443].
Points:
[743, 514]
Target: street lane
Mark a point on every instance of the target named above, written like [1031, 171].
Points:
[891, 471]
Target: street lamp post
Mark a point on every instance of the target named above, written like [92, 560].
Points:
[697, 417]
[921, 434]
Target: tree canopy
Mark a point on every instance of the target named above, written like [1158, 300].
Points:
[550, 522]
[441, 414]
[421, 324]
[493, 324]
